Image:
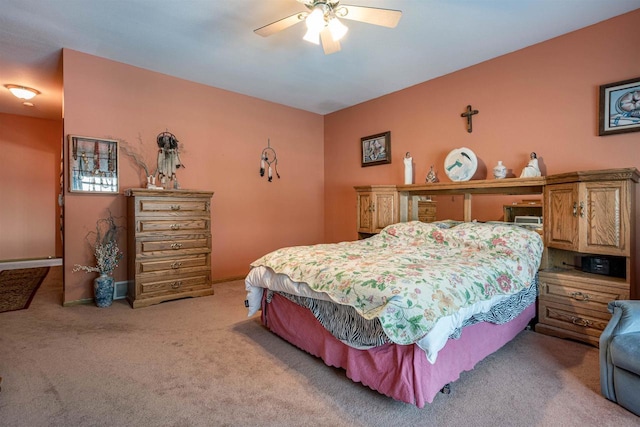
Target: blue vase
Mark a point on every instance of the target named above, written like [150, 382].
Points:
[103, 290]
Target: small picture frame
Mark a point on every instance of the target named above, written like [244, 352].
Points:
[93, 165]
[376, 149]
[620, 107]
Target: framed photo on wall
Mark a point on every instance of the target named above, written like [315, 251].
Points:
[376, 149]
[620, 107]
[93, 165]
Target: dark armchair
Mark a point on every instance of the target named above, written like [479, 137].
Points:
[620, 355]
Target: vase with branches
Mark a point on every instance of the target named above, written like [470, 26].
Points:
[104, 243]
[137, 157]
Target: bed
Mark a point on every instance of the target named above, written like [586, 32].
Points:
[406, 311]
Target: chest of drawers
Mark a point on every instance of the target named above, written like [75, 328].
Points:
[169, 245]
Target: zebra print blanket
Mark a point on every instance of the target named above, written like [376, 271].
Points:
[344, 323]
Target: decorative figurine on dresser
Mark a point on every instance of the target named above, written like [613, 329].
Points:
[531, 169]
[431, 176]
[169, 245]
[408, 168]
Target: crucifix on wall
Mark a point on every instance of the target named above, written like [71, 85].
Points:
[469, 114]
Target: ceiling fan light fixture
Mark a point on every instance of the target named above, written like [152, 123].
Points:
[323, 20]
[22, 92]
[312, 36]
[337, 29]
[315, 21]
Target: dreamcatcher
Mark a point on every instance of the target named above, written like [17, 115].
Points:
[268, 158]
[168, 157]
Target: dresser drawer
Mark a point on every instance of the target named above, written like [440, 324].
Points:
[199, 225]
[595, 297]
[582, 321]
[175, 247]
[173, 205]
[152, 286]
[173, 263]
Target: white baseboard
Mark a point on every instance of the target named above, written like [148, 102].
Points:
[30, 263]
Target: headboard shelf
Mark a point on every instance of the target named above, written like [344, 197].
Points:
[508, 186]
[409, 194]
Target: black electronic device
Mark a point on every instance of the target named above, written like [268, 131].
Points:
[608, 266]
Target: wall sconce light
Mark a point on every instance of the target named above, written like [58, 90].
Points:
[22, 92]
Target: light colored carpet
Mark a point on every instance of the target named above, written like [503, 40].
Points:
[202, 362]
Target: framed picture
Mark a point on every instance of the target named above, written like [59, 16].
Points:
[376, 149]
[93, 165]
[620, 107]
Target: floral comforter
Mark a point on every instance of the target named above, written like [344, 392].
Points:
[412, 274]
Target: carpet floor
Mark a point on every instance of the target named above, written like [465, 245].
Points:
[17, 287]
[202, 362]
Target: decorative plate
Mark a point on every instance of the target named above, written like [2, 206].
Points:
[460, 164]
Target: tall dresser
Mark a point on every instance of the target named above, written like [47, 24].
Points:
[169, 245]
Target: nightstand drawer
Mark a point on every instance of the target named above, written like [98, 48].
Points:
[580, 294]
[582, 321]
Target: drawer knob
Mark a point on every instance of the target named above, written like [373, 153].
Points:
[175, 226]
[580, 321]
[176, 285]
[176, 265]
[175, 207]
[176, 245]
[579, 296]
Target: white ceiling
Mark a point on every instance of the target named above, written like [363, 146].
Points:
[212, 42]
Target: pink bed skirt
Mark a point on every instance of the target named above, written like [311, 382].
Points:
[398, 371]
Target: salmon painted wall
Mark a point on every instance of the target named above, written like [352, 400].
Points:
[29, 185]
[543, 98]
[223, 134]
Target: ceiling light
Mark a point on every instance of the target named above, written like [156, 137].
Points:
[312, 36]
[338, 29]
[22, 92]
[315, 20]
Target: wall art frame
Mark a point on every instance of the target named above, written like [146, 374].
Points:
[619, 110]
[93, 165]
[376, 149]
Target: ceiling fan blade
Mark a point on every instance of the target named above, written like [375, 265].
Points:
[280, 25]
[328, 44]
[372, 15]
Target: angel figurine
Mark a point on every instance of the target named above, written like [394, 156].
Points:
[532, 169]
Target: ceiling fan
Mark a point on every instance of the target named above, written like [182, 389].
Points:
[323, 24]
